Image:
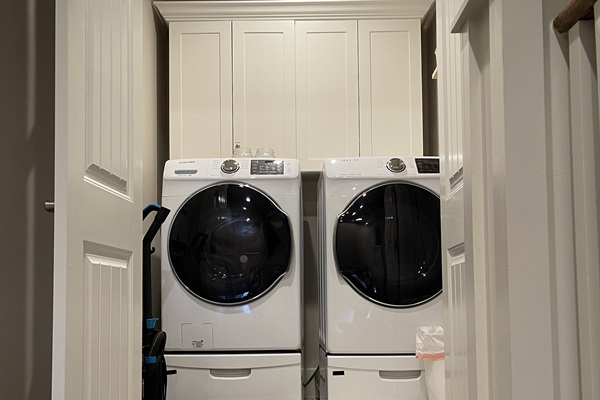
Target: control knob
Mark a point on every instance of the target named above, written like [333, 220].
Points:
[230, 166]
[395, 165]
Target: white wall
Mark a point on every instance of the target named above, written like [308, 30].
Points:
[26, 181]
[155, 124]
[430, 86]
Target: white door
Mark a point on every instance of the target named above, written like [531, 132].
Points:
[98, 227]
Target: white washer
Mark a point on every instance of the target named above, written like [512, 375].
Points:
[380, 253]
[231, 255]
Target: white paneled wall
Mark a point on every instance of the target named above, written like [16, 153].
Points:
[561, 227]
[457, 268]
[457, 328]
[525, 131]
[585, 147]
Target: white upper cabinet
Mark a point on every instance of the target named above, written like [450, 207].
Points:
[312, 80]
[200, 89]
[391, 111]
[327, 91]
[264, 101]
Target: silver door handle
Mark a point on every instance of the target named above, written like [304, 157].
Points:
[49, 206]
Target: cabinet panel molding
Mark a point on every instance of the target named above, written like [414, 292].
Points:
[264, 99]
[200, 89]
[327, 91]
[391, 103]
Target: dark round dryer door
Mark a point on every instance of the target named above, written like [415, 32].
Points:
[230, 244]
[388, 245]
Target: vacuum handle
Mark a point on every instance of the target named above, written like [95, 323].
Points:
[149, 208]
[161, 216]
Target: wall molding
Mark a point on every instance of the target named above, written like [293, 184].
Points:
[185, 11]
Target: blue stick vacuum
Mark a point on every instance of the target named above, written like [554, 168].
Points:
[154, 369]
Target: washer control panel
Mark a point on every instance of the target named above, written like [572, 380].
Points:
[266, 167]
[231, 168]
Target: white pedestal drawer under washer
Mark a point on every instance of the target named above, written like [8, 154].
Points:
[380, 253]
[261, 376]
[231, 255]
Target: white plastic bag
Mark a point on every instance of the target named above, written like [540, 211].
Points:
[430, 342]
[430, 348]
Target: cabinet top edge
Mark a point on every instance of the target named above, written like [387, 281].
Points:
[182, 11]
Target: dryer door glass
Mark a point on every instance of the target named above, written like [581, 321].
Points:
[229, 244]
[388, 245]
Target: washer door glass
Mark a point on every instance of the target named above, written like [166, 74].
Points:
[388, 242]
[229, 244]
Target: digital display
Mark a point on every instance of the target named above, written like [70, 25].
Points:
[428, 165]
[266, 167]
[186, 171]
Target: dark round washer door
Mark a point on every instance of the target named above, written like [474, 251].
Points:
[230, 244]
[388, 245]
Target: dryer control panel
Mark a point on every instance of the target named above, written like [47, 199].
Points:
[378, 167]
[428, 165]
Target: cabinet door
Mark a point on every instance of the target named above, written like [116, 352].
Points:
[391, 110]
[326, 91]
[263, 86]
[200, 89]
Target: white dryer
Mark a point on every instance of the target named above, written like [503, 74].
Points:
[380, 275]
[380, 254]
[231, 255]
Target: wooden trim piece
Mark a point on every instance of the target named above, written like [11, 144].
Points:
[576, 10]
[178, 11]
[466, 7]
[429, 18]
